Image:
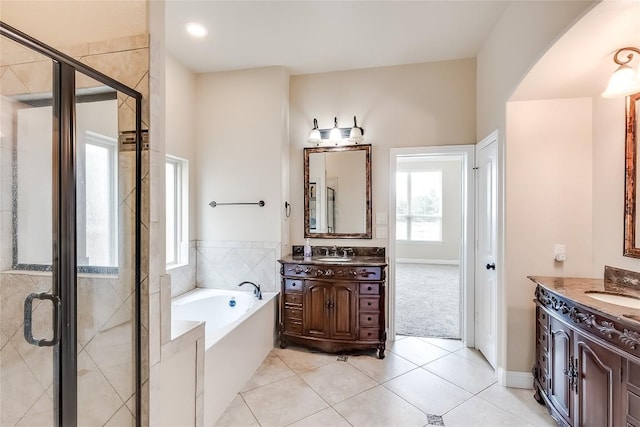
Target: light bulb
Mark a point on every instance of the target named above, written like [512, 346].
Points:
[624, 81]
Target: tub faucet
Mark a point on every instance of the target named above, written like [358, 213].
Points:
[257, 292]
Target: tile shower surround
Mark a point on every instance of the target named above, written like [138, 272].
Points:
[225, 264]
[105, 304]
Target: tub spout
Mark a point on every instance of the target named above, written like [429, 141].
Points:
[257, 292]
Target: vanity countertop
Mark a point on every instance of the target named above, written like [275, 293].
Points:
[336, 261]
[578, 289]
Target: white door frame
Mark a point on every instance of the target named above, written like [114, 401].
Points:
[467, 260]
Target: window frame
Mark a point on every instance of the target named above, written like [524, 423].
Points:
[180, 211]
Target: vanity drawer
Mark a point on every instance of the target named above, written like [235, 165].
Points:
[298, 270]
[367, 334]
[370, 304]
[292, 313]
[633, 376]
[293, 285]
[293, 327]
[369, 319]
[543, 317]
[293, 297]
[369, 289]
[543, 361]
[542, 340]
[634, 405]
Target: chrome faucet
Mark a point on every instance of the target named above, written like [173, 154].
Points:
[334, 251]
[257, 292]
[346, 252]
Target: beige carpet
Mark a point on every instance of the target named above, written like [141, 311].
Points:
[427, 300]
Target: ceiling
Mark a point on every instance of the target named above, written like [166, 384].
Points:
[581, 61]
[321, 36]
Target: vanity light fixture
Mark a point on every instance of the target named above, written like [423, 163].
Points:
[625, 80]
[195, 29]
[336, 135]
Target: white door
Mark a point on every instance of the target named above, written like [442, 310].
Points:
[487, 251]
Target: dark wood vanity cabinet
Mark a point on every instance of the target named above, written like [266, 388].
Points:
[333, 307]
[580, 373]
[330, 309]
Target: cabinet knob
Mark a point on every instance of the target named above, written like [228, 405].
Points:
[368, 318]
[368, 288]
[369, 303]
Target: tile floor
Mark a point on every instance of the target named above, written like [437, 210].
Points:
[420, 382]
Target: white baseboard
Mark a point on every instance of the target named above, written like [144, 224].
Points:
[515, 379]
[427, 261]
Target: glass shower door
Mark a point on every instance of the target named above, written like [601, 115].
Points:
[105, 283]
[26, 134]
[69, 241]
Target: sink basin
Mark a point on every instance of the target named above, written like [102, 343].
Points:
[334, 259]
[616, 299]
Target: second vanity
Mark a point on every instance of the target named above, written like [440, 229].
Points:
[587, 368]
[334, 303]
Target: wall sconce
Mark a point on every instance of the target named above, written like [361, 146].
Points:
[336, 135]
[625, 80]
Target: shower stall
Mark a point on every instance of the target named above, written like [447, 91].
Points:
[71, 218]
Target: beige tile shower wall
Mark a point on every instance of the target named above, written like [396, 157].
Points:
[105, 342]
[183, 278]
[224, 264]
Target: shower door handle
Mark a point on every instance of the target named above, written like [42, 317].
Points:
[28, 314]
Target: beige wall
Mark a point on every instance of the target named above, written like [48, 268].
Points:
[402, 106]
[180, 113]
[608, 186]
[523, 33]
[548, 201]
[518, 39]
[240, 131]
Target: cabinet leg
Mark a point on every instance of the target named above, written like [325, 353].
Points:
[538, 397]
[283, 340]
[380, 353]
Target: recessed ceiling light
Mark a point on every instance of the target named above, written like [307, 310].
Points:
[195, 29]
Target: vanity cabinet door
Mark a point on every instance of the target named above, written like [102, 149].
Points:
[561, 367]
[599, 400]
[330, 309]
[343, 310]
[317, 303]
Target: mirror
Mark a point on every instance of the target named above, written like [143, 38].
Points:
[632, 177]
[337, 197]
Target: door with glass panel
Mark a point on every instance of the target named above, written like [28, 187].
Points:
[69, 242]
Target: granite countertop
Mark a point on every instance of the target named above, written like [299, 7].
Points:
[374, 261]
[578, 289]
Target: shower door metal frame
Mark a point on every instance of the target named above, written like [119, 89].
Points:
[64, 262]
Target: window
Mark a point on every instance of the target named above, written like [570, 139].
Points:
[176, 191]
[419, 206]
[97, 243]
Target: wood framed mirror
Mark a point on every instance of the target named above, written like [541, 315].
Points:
[632, 177]
[337, 192]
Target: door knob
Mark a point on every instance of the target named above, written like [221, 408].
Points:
[491, 266]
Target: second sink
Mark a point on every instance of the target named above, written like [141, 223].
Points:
[616, 299]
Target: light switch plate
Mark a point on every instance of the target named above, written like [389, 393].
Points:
[381, 218]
